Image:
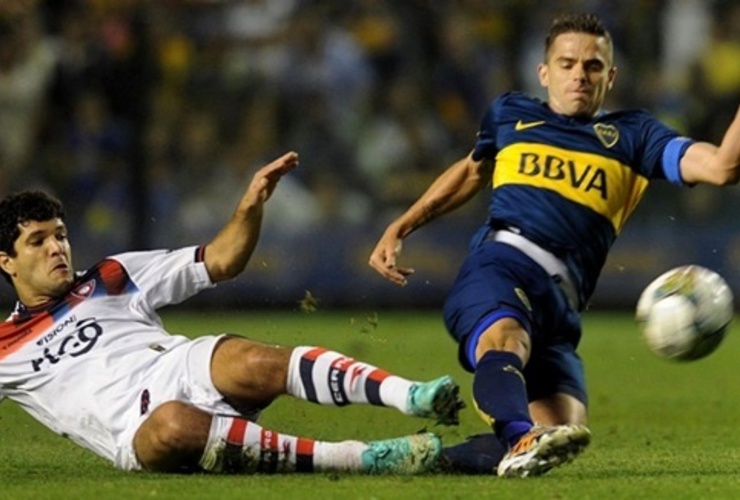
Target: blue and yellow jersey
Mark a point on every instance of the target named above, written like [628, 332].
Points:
[569, 184]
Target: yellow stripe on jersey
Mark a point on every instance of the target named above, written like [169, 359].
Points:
[602, 184]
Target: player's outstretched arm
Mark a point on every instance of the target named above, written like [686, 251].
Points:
[453, 188]
[710, 164]
[228, 253]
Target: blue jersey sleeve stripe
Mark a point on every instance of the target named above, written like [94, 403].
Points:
[672, 155]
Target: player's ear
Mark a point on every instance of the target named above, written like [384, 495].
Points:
[543, 75]
[612, 77]
[6, 263]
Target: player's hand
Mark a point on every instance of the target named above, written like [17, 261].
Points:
[384, 257]
[266, 178]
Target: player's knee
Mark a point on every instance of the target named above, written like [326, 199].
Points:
[508, 335]
[172, 423]
[172, 437]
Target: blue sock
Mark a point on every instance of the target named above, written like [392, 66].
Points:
[512, 431]
[499, 391]
[479, 454]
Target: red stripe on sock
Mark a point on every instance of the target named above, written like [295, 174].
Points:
[314, 353]
[304, 455]
[305, 446]
[237, 431]
[343, 363]
[269, 440]
[378, 375]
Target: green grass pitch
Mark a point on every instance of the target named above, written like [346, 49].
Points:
[660, 429]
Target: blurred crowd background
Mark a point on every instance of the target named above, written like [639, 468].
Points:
[147, 119]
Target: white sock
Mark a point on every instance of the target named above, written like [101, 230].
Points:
[331, 378]
[236, 445]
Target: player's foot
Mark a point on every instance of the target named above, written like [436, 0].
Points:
[406, 455]
[438, 399]
[543, 448]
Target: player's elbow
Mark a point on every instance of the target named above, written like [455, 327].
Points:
[224, 266]
[732, 181]
[223, 272]
[717, 173]
[727, 176]
[708, 164]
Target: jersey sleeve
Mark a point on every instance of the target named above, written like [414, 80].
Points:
[166, 276]
[662, 150]
[485, 145]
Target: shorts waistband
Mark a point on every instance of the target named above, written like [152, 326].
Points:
[546, 260]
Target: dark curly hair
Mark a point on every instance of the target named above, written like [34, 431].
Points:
[576, 23]
[23, 207]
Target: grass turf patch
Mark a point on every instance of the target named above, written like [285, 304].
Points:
[660, 429]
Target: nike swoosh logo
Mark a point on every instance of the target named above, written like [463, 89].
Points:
[520, 125]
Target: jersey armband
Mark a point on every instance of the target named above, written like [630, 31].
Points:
[672, 155]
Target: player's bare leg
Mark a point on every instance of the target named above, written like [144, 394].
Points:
[172, 438]
[558, 409]
[251, 375]
[481, 454]
[501, 397]
[179, 437]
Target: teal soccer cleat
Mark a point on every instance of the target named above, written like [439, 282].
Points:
[413, 454]
[438, 399]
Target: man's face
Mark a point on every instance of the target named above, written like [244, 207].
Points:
[41, 270]
[577, 73]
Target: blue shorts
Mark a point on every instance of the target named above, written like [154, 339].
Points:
[497, 281]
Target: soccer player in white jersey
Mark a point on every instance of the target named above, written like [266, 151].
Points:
[86, 354]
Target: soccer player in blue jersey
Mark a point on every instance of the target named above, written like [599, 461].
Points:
[566, 175]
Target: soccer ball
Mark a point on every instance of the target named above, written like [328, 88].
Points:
[685, 313]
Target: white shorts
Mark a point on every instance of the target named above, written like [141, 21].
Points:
[183, 373]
